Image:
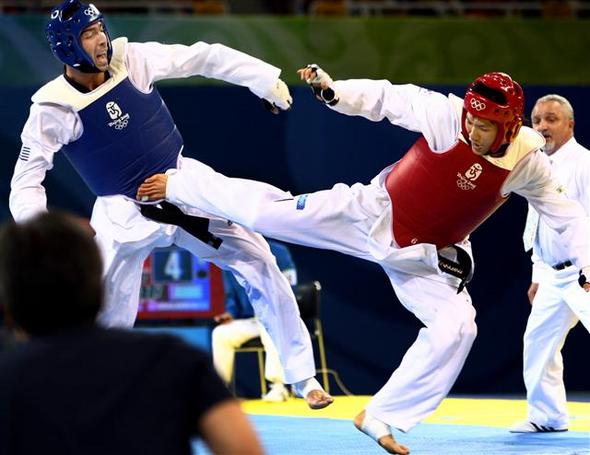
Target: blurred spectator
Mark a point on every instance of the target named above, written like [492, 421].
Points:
[470, 8]
[281, 6]
[328, 8]
[556, 8]
[73, 387]
[209, 7]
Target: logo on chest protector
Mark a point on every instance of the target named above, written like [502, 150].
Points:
[465, 182]
[119, 120]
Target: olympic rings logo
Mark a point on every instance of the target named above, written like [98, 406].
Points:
[91, 10]
[121, 124]
[477, 104]
[462, 184]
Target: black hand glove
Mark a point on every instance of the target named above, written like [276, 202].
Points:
[327, 95]
[584, 276]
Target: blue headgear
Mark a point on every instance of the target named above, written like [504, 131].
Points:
[63, 31]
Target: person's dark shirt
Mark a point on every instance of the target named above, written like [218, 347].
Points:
[97, 391]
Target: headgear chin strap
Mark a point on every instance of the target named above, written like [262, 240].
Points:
[68, 21]
[499, 99]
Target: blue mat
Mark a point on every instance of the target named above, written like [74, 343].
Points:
[306, 436]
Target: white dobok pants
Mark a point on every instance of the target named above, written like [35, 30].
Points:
[559, 304]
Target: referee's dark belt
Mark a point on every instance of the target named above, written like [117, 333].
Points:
[562, 265]
[168, 213]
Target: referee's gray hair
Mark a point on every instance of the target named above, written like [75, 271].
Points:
[559, 99]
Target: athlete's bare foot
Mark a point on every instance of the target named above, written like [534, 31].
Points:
[313, 393]
[380, 432]
[318, 399]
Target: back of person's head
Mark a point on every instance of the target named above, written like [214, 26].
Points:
[50, 274]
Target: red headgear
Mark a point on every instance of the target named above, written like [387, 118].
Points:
[499, 99]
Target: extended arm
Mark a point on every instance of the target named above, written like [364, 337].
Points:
[151, 62]
[409, 106]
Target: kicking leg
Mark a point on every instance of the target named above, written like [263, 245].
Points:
[338, 218]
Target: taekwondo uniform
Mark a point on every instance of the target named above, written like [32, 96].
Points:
[415, 212]
[559, 302]
[121, 133]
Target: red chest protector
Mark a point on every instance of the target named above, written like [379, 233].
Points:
[441, 198]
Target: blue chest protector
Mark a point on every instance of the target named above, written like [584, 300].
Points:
[128, 136]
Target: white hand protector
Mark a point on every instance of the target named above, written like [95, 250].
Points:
[278, 97]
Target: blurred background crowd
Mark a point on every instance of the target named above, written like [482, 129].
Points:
[440, 8]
